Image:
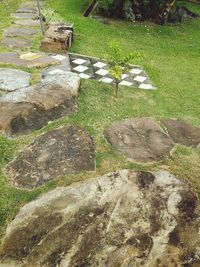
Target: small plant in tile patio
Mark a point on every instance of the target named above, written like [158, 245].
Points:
[117, 63]
[94, 68]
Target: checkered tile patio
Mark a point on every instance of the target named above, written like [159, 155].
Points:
[94, 68]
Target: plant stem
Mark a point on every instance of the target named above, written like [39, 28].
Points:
[116, 87]
[40, 16]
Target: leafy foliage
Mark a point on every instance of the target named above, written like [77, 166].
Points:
[157, 10]
[51, 16]
[118, 62]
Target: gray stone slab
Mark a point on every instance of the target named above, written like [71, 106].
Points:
[15, 43]
[28, 22]
[11, 80]
[24, 15]
[28, 60]
[19, 32]
[32, 4]
[30, 108]
[27, 10]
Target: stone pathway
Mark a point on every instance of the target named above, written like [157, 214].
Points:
[27, 60]
[25, 25]
[119, 219]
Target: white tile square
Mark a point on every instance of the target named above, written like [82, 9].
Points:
[140, 79]
[106, 80]
[102, 72]
[56, 71]
[59, 57]
[125, 83]
[79, 61]
[99, 64]
[124, 76]
[80, 68]
[135, 71]
[146, 86]
[84, 76]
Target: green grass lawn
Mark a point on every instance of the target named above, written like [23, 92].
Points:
[171, 56]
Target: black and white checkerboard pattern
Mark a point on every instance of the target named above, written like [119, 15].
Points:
[94, 68]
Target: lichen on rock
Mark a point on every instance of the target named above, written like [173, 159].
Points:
[118, 219]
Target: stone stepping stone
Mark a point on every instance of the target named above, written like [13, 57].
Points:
[19, 32]
[182, 132]
[119, 219]
[17, 43]
[29, 23]
[24, 15]
[31, 4]
[30, 108]
[27, 10]
[59, 152]
[27, 60]
[140, 139]
[11, 80]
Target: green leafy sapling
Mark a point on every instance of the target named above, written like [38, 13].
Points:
[118, 63]
[116, 72]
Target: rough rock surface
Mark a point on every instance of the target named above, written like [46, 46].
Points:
[182, 132]
[27, 10]
[17, 43]
[59, 152]
[140, 139]
[24, 15]
[28, 60]
[33, 107]
[57, 39]
[120, 219]
[28, 22]
[11, 79]
[19, 32]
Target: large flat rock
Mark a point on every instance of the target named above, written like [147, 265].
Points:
[140, 139]
[28, 22]
[32, 4]
[17, 43]
[24, 15]
[120, 219]
[27, 60]
[11, 79]
[19, 32]
[27, 10]
[59, 152]
[30, 108]
[182, 132]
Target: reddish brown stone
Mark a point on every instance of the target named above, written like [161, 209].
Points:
[182, 132]
[57, 39]
[140, 139]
